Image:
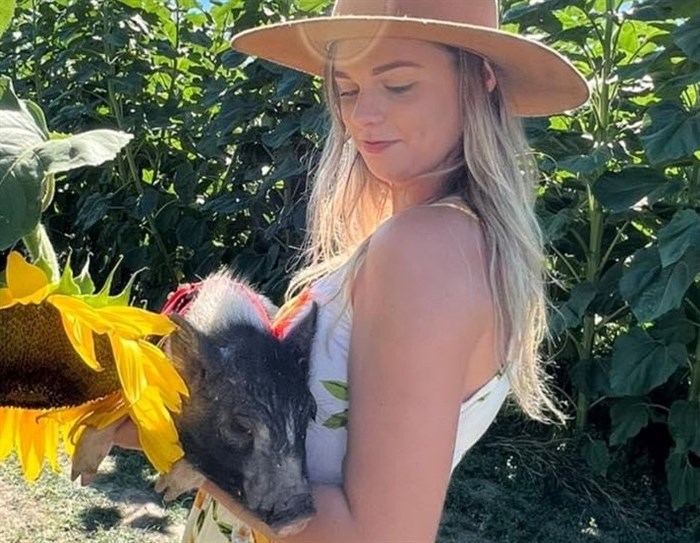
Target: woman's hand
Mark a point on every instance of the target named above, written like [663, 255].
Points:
[94, 445]
[126, 435]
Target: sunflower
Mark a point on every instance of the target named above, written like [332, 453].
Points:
[71, 358]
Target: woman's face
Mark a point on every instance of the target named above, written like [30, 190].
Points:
[401, 107]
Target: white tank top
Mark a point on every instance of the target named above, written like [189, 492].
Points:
[326, 446]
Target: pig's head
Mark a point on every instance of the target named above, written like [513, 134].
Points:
[245, 422]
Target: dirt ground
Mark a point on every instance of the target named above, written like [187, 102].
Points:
[513, 487]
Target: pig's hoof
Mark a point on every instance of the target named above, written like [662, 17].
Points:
[181, 478]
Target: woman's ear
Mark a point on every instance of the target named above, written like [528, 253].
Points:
[489, 76]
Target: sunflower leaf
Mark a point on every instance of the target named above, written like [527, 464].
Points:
[28, 156]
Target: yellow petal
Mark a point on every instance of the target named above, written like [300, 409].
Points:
[80, 310]
[6, 299]
[7, 431]
[157, 432]
[133, 323]
[51, 431]
[129, 367]
[161, 374]
[78, 331]
[29, 440]
[27, 283]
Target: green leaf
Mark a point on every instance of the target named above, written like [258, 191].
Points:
[663, 9]
[640, 363]
[67, 283]
[84, 281]
[586, 164]
[313, 6]
[629, 416]
[682, 233]
[570, 313]
[674, 327]
[103, 299]
[282, 133]
[7, 11]
[618, 191]
[652, 290]
[339, 420]
[683, 480]
[687, 37]
[672, 133]
[684, 424]
[597, 456]
[87, 149]
[337, 389]
[21, 172]
[556, 225]
[27, 157]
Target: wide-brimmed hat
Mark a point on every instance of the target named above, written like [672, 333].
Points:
[535, 79]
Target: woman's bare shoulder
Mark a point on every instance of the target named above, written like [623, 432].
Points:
[431, 247]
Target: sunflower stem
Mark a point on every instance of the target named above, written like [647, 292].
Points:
[42, 252]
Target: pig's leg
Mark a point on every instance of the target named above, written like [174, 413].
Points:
[181, 478]
[90, 450]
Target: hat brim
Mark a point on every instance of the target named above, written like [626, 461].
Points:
[535, 79]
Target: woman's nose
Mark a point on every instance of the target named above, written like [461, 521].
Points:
[367, 109]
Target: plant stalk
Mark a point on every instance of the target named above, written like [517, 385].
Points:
[694, 393]
[595, 212]
[131, 161]
[42, 252]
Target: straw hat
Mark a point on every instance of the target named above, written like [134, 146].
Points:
[535, 79]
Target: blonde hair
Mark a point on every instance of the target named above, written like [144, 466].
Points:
[495, 177]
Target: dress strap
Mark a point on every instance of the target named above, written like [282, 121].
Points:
[457, 204]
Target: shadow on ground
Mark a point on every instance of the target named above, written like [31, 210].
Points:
[529, 485]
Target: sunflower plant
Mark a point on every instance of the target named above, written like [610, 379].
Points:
[71, 357]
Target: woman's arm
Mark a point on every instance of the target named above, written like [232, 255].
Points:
[421, 305]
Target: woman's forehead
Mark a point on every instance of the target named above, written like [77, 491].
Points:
[378, 55]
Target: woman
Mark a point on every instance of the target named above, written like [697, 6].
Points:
[424, 255]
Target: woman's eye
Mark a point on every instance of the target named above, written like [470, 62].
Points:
[399, 89]
[347, 93]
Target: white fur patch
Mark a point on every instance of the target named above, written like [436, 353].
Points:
[222, 300]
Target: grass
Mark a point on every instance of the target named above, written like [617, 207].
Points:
[520, 484]
[119, 507]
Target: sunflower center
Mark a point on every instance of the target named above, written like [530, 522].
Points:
[39, 368]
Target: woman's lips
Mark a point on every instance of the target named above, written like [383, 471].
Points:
[374, 147]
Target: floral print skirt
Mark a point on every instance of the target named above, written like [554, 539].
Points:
[210, 522]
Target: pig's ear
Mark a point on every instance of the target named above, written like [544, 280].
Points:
[186, 347]
[302, 334]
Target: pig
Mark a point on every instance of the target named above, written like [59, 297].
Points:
[244, 424]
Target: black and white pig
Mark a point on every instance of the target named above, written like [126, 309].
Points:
[244, 424]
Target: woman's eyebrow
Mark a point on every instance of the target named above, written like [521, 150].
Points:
[383, 68]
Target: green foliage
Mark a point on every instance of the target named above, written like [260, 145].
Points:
[7, 10]
[29, 160]
[619, 207]
[215, 176]
[216, 171]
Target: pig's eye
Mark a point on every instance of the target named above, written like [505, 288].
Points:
[239, 433]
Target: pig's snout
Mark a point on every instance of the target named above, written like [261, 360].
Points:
[293, 516]
[292, 529]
